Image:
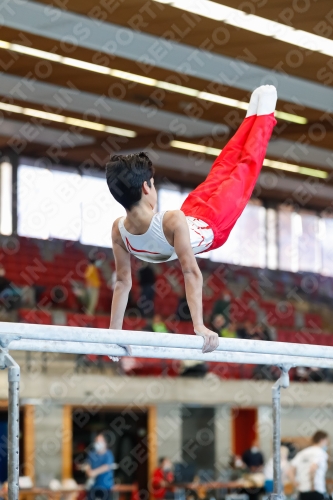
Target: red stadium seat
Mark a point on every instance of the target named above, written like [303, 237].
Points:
[35, 316]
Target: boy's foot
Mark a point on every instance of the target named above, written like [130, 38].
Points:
[254, 101]
[267, 100]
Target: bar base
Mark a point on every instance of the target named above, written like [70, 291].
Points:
[276, 496]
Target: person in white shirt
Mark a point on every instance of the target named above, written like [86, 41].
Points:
[309, 467]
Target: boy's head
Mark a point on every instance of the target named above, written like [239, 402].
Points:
[130, 178]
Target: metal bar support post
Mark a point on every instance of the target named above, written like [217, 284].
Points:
[13, 426]
[283, 381]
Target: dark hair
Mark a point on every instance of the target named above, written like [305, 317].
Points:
[161, 460]
[125, 175]
[319, 436]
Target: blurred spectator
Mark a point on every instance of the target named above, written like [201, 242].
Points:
[218, 323]
[93, 284]
[258, 332]
[254, 333]
[31, 295]
[162, 478]
[146, 276]
[192, 368]
[222, 305]
[245, 332]
[229, 331]
[262, 332]
[4, 282]
[183, 311]
[9, 295]
[253, 457]
[157, 324]
[58, 296]
[309, 468]
[99, 470]
[254, 462]
[316, 374]
[81, 295]
[301, 374]
[266, 372]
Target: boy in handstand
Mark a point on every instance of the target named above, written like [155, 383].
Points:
[205, 219]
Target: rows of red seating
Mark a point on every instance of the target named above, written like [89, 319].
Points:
[35, 316]
[301, 337]
[25, 261]
[136, 324]
[160, 367]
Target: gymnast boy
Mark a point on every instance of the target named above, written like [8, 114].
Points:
[205, 219]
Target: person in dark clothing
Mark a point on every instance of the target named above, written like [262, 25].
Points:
[9, 296]
[147, 280]
[260, 332]
[4, 282]
[222, 306]
[254, 462]
[218, 323]
[253, 457]
[245, 332]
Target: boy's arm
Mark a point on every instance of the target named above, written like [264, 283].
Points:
[123, 282]
[176, 222]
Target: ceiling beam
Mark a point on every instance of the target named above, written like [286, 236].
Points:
[71, 98]
[148, 51]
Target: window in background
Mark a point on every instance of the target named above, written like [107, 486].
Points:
[65, 205]
[6, 191]
[169, 199]
[271, 238]
[64, 219]
[33, 201]
[246, 244]
[326, 233]
[309, 244]
[48, 203]
[289, 229]
[99, 211]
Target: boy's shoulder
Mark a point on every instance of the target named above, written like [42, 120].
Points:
[115, 233]
[175, 216]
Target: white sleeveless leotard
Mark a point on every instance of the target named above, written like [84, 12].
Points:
[152, 246]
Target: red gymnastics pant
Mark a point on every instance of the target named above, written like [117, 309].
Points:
[222, 197]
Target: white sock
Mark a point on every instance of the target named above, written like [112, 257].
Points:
[253, 104]
[267, 100]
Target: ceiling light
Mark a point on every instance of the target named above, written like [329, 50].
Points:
[256, 24]
[11, 108]
[76, 63]
[132, 77]
[199, 148]
[143, 80]
[301, 120]
[295, 168]
[227, 101]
